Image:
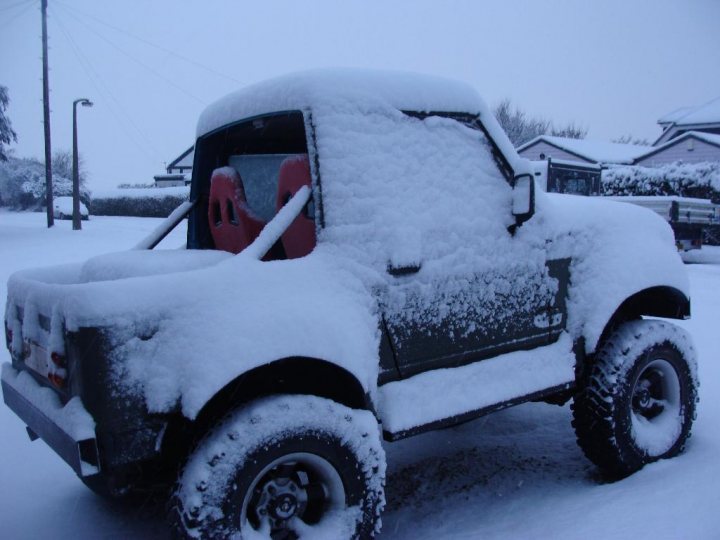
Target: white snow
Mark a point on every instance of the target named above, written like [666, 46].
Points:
[72, 417]
[617, 250]
[707, 113]
[597, 151]
[340, 91]
[64, 205]
[443, 393]
[513, 474]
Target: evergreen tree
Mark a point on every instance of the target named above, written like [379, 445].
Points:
[7, 135]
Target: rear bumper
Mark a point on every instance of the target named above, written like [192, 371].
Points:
[67, 429]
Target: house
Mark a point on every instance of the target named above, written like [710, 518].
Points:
[178, 171]
[703, 118]
[581, 150]
[690, 147]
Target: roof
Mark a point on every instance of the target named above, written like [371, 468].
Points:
[597, 151]
[673, 116]
[346, 92]
[708, 113]
[298, 91]
[709, 138]
[184, 160]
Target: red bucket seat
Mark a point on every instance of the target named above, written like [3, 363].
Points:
[299, 238]
[232, 223]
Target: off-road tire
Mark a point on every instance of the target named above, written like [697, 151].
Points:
[603, 409]
[229, 466]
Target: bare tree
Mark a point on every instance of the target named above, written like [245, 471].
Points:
[62, 165]
[7, 135]
[570, 131]
[521, 128]
[629, 139]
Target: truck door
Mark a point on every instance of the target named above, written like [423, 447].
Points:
[463, 317]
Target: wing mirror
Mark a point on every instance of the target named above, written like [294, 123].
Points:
[523, 197]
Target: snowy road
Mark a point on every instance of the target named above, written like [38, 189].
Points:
[514, 474]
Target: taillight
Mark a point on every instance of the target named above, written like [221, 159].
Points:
[59, 360]
[57, 380]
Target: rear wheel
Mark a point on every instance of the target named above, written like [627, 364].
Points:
[638, 404]
[284, 467]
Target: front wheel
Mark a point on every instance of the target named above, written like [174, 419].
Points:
[284, 467]
[638, 403]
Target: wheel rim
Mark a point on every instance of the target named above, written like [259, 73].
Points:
[656, 412]
[299, 486]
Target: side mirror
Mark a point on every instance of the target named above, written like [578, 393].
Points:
[523, 197]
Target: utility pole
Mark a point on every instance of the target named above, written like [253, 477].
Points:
[77, 224]
[46, 116]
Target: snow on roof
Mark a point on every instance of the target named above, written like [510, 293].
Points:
[707, 137]
[711, 138]
[598, 151]
[708, 113]
[671, 117]
[184, 160]
[346, 92]
[297, 91]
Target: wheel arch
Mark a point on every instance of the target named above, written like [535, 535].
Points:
[661, 301]
[294, 375]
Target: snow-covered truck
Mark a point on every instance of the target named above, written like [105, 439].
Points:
[688, 217]
[366, 258]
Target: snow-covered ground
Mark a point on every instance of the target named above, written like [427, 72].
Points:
[513, 474]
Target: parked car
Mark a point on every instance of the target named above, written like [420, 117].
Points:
[689, 217]
[63, 209]
[367, 258]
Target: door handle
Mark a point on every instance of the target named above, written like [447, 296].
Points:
[405, 270]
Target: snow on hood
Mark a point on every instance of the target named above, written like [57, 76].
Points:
[617, 249]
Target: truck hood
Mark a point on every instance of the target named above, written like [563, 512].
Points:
[617, 249]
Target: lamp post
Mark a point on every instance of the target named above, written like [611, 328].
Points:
[76, 175]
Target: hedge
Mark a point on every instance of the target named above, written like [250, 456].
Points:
[139, 202]
[701, 180]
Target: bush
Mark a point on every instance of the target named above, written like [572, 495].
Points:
[142, 202]
[701, 180]
[22, 183]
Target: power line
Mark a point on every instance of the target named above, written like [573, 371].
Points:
[137, 61]
[20, 13]
[154, 45]
[16, 4]
[105, 91]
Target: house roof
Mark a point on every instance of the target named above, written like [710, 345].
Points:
[709, 138]
[597, 151]
[673, 116]
[184, 160]
[708, 113]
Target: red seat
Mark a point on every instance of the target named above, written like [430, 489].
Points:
[232, 224]
[299, 238]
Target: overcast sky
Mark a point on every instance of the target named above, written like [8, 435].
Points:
[613, 66]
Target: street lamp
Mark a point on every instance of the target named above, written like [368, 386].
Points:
[76, 180]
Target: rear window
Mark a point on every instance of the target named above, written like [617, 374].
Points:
[255, 148]
[259, 174]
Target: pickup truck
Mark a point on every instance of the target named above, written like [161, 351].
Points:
[688, 217]
[367, 258]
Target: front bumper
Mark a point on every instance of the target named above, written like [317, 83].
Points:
[68, 429]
